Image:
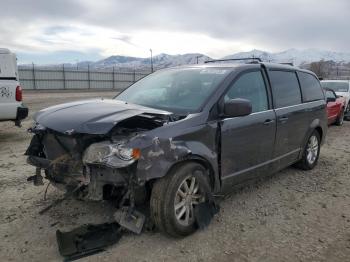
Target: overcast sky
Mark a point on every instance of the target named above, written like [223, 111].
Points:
[56, 31]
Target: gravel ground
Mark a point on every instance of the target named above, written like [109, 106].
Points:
[292, 216]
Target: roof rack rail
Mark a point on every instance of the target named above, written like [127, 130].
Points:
[287, 63]
[233, 59]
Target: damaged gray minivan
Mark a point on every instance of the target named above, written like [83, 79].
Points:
[180, 135]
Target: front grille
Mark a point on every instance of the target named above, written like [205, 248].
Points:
[56, 146]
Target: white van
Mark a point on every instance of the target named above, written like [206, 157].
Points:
[11, 106]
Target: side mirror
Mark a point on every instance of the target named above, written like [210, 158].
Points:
[237, 107]
[331, 99]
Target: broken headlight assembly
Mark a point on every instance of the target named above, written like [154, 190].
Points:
[115, 155]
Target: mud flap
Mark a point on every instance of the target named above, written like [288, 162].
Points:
[87, 240]
[204, 213]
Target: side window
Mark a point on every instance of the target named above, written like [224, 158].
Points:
[330, 94]
[250, 86]
[285, 87]
[310, 87]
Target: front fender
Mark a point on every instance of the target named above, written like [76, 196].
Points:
[159, 154]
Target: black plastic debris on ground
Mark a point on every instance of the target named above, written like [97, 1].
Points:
[130, 219]
[87, 240]
[204, 213]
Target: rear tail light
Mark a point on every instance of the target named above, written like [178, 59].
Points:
[19, 93]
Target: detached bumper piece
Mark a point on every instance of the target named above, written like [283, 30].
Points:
[131, 219]
[87, 240]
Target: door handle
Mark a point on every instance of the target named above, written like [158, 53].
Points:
[283, 119]
[268, 121]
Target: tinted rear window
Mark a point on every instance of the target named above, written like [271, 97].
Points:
[285, 86]
[310, 87]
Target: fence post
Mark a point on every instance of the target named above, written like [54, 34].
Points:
[134, 75]
[64, 77]
[34, 82]
[89, 76]
[113, 79]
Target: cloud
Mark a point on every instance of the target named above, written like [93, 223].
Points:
[216, 28]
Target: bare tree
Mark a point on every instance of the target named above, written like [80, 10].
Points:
[320, 68]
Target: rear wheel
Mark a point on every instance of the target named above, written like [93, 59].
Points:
[347, 112]
[340, 119]
[175, 196]
[311, 152]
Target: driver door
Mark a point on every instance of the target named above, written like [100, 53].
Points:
[247, 142]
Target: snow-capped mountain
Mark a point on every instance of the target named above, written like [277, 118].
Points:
[159, 61]
[295, 56]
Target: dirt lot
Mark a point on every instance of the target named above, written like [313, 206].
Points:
[292, 216]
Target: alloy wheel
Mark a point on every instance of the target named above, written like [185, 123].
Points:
[187, 197]
[312, 149]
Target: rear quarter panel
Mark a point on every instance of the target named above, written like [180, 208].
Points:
[8, 103]
[317, 114]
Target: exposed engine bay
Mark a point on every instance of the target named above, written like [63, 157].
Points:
[102, 166]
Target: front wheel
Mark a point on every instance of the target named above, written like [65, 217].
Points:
[175, 196]
[311, 152]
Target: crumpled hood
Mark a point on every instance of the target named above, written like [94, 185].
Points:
[96, 116]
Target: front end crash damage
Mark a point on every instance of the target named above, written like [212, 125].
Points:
[104, 166]
[119, 163]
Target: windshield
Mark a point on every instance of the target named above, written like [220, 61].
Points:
[175, 90]
[336, 86]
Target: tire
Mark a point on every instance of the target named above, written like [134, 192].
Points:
[340, 119]
[307, 162]
[347, 118]
[165, 194]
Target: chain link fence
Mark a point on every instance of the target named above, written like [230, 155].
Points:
[34, 78]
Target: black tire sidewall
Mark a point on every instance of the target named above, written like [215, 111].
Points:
[306, 163]
[178, 175]
[340, 120]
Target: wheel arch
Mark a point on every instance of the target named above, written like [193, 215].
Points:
[214, 180]
[320, 132]
[314, 126]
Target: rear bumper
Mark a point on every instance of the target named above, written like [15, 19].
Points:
[22, 113]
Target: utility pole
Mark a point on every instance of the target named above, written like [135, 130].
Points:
[113, 78]
[89, 84]
[33, 71]
[198, 56]
[151, 61]
[64, 76]
[337, 70]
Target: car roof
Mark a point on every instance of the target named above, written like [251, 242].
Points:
[227, 66]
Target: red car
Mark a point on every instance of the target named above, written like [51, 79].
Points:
[335, 107]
